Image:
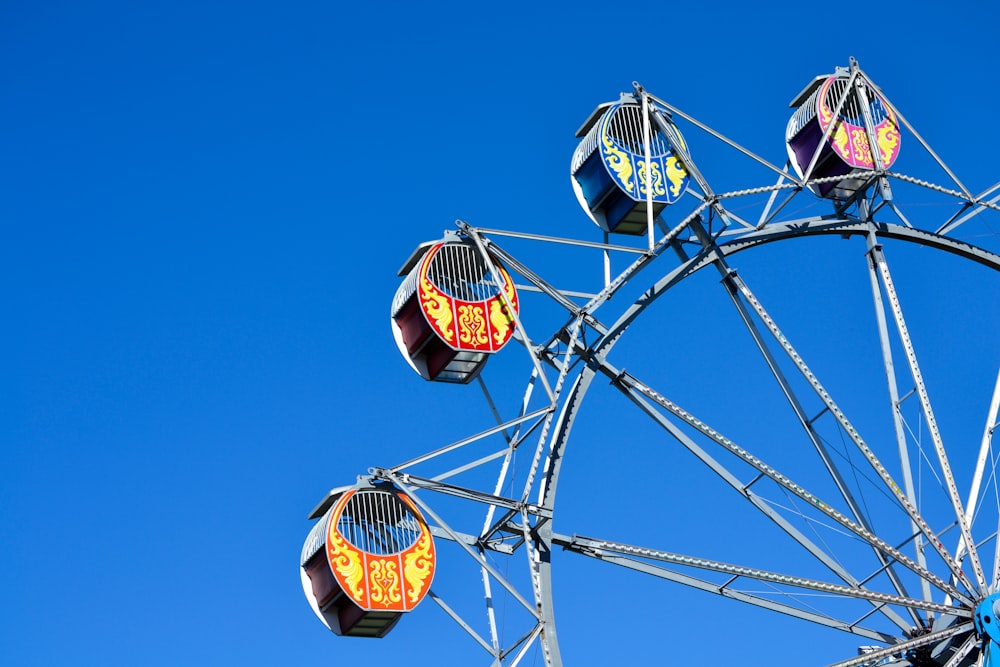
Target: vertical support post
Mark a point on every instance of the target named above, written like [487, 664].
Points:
[490, 613]
[925, 403]
[648, 171]
[607, 263]
[897, 419]
[860, 84]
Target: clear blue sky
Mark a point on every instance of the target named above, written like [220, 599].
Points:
[203, 207]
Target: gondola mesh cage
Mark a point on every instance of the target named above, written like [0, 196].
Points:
[458, 270]
[852, 111]
[379, 523]
[625, 128]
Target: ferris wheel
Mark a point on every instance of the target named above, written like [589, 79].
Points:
[774, 386]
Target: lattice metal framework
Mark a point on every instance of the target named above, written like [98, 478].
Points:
[923, 581]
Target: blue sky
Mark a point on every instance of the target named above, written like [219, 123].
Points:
[203, 209]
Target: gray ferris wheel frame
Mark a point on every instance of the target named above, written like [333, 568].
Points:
[568, 361]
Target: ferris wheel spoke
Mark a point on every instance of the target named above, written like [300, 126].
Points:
[462, 623]
[499, 428]
[460, 540]
[965, 649]
[984, 451]
[637, 391]
[808, 425]
[639, 559]
[873, 657]
[851, 431]
[592, 546]
[985, 448]
[878, 257]
[975, 495]
[897, 417]
[823, 557]
[964, 215]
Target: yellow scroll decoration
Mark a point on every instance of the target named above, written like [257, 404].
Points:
[676, 173]
[384, 582]
[654, 175]
[862, 149]
[619, 162]
[888, 140]
[347, 562]
[500, 319]
[438, 308]
[500, 316]
[472, 325]
[839, 133]
[840, 139]
[418, 564]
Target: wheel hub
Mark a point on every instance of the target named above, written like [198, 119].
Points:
[987, 618]
[987, 621]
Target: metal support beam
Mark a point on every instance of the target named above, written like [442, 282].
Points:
[925, 402]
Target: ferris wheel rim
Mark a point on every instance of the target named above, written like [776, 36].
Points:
[817, 226]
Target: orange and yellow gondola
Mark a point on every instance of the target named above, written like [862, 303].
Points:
[453, 310]
[367, 561]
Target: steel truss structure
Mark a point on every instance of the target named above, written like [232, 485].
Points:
[882, 537]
